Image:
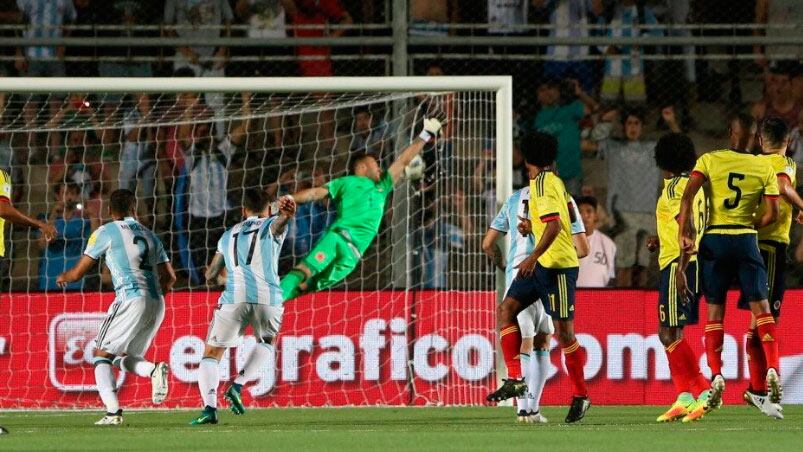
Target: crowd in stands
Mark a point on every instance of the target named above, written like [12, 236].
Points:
[605, 105]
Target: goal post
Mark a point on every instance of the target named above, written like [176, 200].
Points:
[405, 328]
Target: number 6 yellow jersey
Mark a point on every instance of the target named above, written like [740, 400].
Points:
[666, 214]
[737, 181]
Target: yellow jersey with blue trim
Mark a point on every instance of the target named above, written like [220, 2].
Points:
[5, 196]
[549, 201]
[779, 231]
[737, 181]
[666, 216]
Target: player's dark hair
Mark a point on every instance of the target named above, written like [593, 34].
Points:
[255, 200]
[588, 200]
[539, 149]
[745, 120]
[122, 202]
[358, 157]
[774, 131]
[675, 153]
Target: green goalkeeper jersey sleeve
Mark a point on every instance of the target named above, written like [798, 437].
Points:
[360, 205]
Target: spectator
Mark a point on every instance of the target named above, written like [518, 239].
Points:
[9, 157]
[633, 187]
[371, 136]
[434, 243]
[73, 228]
[597, 269]
[784, 18]
[202, 19]
[46, 19]
[570, 18]
[795, 149]
[312, 18]
[561, 118]
[432, 17]
[207, 160]
[137, 163]
[508, 17]
[624, 66]
[265, 19]
[779, 100]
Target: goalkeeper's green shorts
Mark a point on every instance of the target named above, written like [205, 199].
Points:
[330, 261]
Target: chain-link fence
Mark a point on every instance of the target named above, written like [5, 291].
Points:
[606, 77]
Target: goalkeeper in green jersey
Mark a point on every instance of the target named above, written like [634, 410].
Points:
[360, 199]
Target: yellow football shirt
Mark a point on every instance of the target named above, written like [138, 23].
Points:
[666, 213]
[5, 196]
[737, 181]
[549, 201]
[779, 231]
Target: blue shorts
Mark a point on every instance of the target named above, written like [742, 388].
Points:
[672, 311]
[553, 286]
[774, 255]
[724, 259]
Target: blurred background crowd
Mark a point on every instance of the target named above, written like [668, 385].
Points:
[702, 63]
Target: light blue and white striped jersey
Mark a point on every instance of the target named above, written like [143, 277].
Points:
[133, 254]
[251, 253]
[518, 205]
[45, 18]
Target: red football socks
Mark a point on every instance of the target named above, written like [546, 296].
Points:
[756, 361]
[510, 338]
[765, 324]
[676, 370]
[714, 338]
[575, 360]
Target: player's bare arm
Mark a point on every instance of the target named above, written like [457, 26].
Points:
[77, 272]
[287, 210]
[789, 194]
[581, 245]
[215, 269]
[527, 266]
[491, 248]
[10, 213]
[310, 195]
[770, 214]
[432, 127]
[167, 276]
[686, 232]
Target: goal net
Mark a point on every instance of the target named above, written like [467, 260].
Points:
[413, 324]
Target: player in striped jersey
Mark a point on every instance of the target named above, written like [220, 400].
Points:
[141, 274]
[536, 327]
[10, 213]
[773, 241]
[249, 252]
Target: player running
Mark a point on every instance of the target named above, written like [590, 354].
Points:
[773, 241]
[10, 213]
[141, 274]
[249, 252]
[549, 273]
[737, 182]
[675, 156]
[536, 327]
[360, 200]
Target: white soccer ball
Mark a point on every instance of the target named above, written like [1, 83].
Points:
[415, 170]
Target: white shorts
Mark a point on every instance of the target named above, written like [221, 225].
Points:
[533, 319]
[130, 326]
[230, 320]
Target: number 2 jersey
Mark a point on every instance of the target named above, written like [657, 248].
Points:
[251, 252]
[666, 214]
[737, 181]
[132, 254]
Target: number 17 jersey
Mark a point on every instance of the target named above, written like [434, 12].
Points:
[133, 253]
[737, 181]
[251, 253]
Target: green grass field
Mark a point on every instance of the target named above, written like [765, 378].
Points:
[461, 429]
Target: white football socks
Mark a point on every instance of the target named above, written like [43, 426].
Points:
[104, 379]
[537, 372]
[259, 358]
[135, 364]
[522, 403]
[208, 381]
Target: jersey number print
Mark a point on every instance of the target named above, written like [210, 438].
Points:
[732, 178]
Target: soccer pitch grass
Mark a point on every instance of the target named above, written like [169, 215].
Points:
[628, 428]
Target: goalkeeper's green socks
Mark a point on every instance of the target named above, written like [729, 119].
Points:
[291, 284]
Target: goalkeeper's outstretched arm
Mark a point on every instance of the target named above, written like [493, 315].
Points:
[432, 127]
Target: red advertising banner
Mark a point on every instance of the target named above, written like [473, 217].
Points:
[365, 348]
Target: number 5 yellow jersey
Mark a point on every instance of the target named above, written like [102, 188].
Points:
[666, 214]
[737, 181]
